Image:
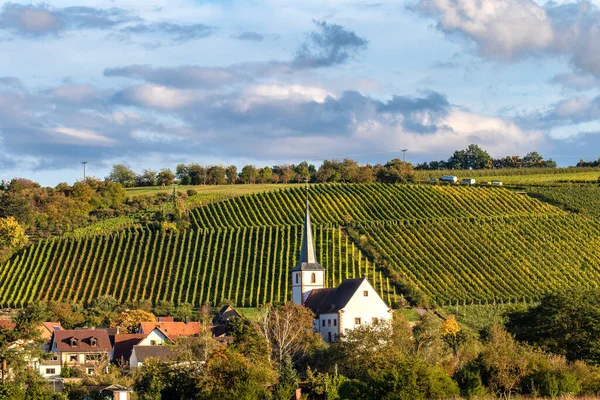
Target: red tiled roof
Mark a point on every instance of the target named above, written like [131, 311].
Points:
[124, 345]
[172, 329]
[83, 336]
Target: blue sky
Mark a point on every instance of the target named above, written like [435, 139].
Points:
[155, 83]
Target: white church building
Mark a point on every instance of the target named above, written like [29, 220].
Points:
[353, 303]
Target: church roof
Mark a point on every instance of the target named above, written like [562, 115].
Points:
[308, 257]
[329, 300]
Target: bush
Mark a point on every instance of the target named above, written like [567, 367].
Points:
[192, 192]
[469, 381]
[551, 383]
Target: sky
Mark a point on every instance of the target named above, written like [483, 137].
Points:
[155, 83]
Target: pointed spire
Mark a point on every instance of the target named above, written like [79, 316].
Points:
[308, 256]
[307, 252]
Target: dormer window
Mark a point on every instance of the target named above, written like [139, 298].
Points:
[74, 342]
[94, 342]
[313, 278]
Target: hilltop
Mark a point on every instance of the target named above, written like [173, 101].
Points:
[435, 244]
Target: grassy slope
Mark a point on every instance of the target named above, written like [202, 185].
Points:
[463, 243]
[531, 176]
[227, 190]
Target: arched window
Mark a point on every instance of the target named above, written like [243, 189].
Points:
[297, 276]
[313, 278]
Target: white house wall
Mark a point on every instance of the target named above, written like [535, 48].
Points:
[365, 308]
[330, 326]
[155, 336]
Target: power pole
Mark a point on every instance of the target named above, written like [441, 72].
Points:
[84, 162]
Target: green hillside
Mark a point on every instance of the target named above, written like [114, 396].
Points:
[450, 244]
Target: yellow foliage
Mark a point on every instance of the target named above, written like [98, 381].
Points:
[130, 320]
[12, 235]
[449, 326]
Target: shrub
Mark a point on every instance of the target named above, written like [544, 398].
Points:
[192, 192]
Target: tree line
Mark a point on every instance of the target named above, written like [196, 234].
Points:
[474, 157]
[348, 171]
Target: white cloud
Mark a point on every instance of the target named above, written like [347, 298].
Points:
[292, 92]
[157, 96]
[503, 29]
[81, 136]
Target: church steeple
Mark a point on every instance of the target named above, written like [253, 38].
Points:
[308, 256]
[307, 275]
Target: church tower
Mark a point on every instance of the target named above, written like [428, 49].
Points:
[307, 274]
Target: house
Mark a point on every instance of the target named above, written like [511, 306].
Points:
[468, 181]
[47, 329]
[87, 349]
[141, 353]
[219, 322]
[353, 303]
[171, 329]
[123, 346]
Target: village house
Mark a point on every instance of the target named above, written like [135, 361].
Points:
[353, 303]
[87, 349]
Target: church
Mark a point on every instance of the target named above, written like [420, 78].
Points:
[353, 303]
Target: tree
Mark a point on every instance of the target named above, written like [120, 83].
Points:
[473, 157]
[129, 321]
[231, 174]
[289, 331]
[216, 175]
[565, 323]
[146, 178]
[122, 174]
[197, 174]
[12, 236]
[165, 177]
[183, 174]
[396, 171]
[302, 172]
[265, 175]
[248, 174]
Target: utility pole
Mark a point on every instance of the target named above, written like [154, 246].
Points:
[84, 162]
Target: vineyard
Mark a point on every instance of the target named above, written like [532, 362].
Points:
[584, 200]
[464, 245]
[249, 266]
[349, 204]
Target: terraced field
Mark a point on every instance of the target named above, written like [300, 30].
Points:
[453, 244]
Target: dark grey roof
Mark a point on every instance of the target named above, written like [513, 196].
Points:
[308, 257]
[224, 315]
[324, 301]
[144, 352]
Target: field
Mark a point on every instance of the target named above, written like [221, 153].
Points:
[584, 200]
[521, 176]
[465, 245]
[209, 190]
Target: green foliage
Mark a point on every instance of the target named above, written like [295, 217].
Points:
[122, 174]
[566, 323]
[584, 200]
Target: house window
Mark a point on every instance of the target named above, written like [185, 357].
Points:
[323, 322]
[92, 357]
[313, 278]
[74, 342]
[153, 343]
[356, 321]
[73, 357]
[94, 342]
[90, 371]
[328, 322]
[366, 293]
[50, 371]
[297, 277]
[54, 357]
[329, 336]
[375, 320]
[335, 322]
